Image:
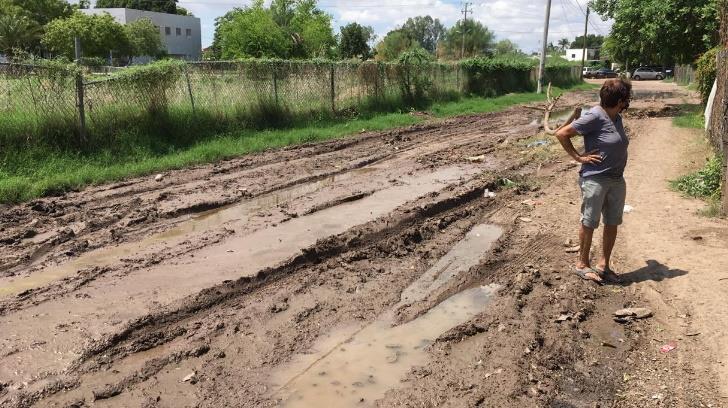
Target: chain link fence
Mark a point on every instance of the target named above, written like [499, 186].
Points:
[60, 104]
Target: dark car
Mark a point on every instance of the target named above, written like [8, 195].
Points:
[605, 73]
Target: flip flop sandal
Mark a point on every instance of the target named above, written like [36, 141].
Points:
[582, 273]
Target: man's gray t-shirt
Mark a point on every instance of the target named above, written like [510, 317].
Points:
[605, 137]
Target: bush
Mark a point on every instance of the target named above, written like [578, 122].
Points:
[413, 79]
[496, 76]
[706, 72]
[706, 182]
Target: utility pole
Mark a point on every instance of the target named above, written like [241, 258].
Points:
[79, 90]
[542, 64]
[465, 20]
[583, 52]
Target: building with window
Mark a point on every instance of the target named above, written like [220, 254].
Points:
[181, 35]
[574, 54]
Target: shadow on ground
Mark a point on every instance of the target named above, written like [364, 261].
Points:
[654, 271]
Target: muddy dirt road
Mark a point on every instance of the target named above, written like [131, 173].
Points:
[418, 267]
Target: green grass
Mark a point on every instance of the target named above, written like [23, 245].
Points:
[691, 116]
[30, 173]
[705, 184]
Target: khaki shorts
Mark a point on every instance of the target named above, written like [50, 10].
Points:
[602, 196]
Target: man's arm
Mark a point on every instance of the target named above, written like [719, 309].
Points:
[564, 135]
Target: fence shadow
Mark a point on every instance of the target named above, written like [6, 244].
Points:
[654, 271]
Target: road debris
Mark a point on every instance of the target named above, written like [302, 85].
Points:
[631, 313]
[159, 177]
[628, 208]
[668, 348]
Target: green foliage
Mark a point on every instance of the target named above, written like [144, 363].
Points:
[153, 81]
[354, 41]
[251, 32]
[144, 38]
[392, 45]
[414, 80]
[479, 41]
[706, 72]
[17, 32]
[705, 183]
[691, 116]
[310, 29]
[659, 31]
[425, 31]
[507, 47]
[592, 41]
[162, 6]
[43, 11]
[98, 34]
[564, 43]
[496, 76]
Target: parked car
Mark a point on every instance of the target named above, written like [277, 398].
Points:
[647, 73]
[588, 72]
[602, 73]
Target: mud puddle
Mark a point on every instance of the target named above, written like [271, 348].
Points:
[203, 222]
[561, 115]
[356, 370]
[108, 300]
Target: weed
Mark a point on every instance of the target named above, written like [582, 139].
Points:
[705, 183]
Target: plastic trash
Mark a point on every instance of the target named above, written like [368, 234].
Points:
[538, 143]
[668, 348]
[628, 208]
[489, 194]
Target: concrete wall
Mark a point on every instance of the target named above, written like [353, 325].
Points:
[181, 35]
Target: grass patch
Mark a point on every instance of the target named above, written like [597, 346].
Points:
[47, 170]
[705, 184]
[691, 116]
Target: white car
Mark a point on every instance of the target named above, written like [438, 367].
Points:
[647, 73]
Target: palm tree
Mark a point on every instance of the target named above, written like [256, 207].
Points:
[17, 33]
[564, 43]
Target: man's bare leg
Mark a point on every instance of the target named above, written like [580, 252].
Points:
[608, 239]
[585, 241]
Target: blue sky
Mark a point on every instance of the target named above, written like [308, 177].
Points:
[518, 20]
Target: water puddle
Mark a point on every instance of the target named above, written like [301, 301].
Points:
[262, 248]
[650, 94]
[463, 256]
[354, 367]
[361, 368]
[561, 115]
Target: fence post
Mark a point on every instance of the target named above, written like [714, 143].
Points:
[275, 83]
[333, 89]
[189, 88]
[79, 91]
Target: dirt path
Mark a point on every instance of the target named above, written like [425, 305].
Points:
[375, 270]
[677, 255]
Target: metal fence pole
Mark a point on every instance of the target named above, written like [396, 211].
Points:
[275, 84]
[189, 89]
[333, 89]
[79, 92]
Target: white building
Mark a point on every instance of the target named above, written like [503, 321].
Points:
[181, 35]
[574, 54]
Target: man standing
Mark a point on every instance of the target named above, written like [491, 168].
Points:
[603, 189]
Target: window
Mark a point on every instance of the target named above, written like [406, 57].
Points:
[573, 55]
[168, 30]
[178, 31]
[188, 32]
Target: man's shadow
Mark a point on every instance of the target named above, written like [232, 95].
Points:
[654, 271]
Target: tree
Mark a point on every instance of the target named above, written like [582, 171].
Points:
[479, 41]
[251, 32]
[44, 11]
[84, 4]
[144, 38]
[564, 43]
[506, 47]
[161, 6]
[592, 41]
[426, 31]
[98, 33]
[17, 33]
[660, 31]
[393, 44]
[310, 30]
[354, 41]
